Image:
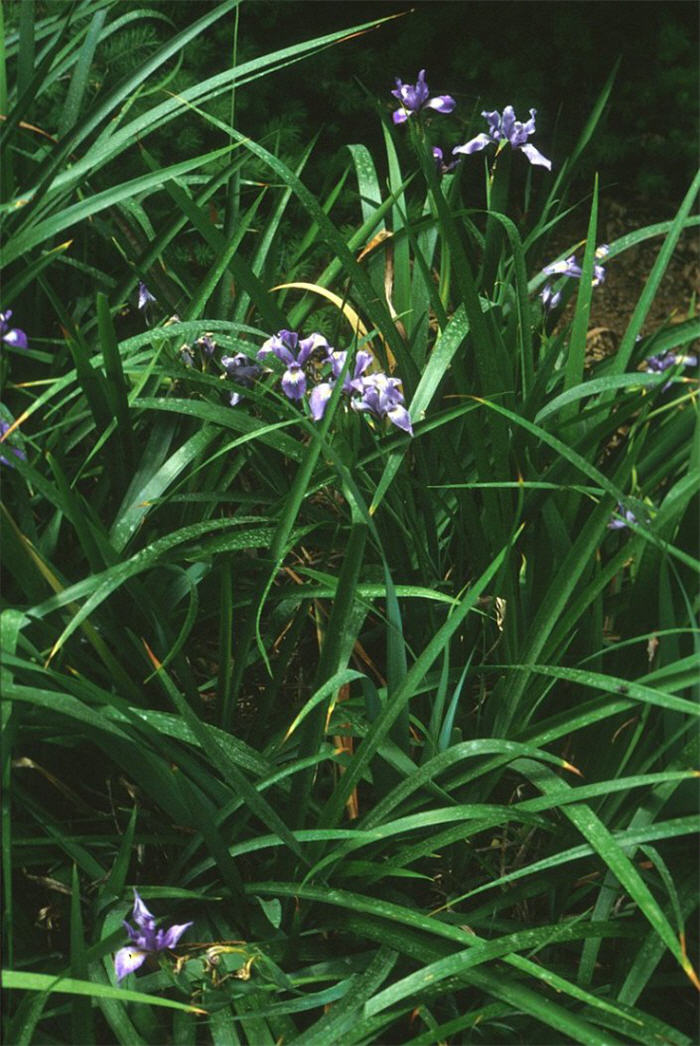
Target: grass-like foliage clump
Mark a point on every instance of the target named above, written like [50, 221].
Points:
[348, 613]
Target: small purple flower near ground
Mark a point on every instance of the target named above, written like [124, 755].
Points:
[321, 394]
[570, 267]
[663, 361]
[145, 940]
[504, 129]
[4, 427]
[11, 335]
[414, 97]
[382, 397]
[285, 345]
[145, 296]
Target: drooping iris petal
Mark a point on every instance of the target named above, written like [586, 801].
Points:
[400, 417]
[293, 382]
[535, 157]
[381, 396]
[127, 960]
[318, 399]
[474, 145]
[12, 336]
[442, 103]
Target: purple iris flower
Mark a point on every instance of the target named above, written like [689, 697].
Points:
[565, 267]
[241, 370]
[321, 394]
[503, 129]
[285, 345]
[145, 296]
[663, 361]
[4, 427]
[414, 97]
[11, 335]
[570, 267]
[145, 940]
[382, 396]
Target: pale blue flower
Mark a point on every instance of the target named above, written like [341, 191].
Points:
[506, 128]
[382, 397]
[570, 267]
[145, 296]
[622, 520]
[145, 940]
[321, 394]
[12, 336]
[285, 345]
[414, 97]
[663, 361]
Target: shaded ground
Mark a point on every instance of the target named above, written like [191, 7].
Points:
[615, 300]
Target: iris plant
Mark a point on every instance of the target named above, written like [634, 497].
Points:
[382, 397]
[145, 940]
[285, 345]
[414, 97]
[374, 393]
[320, 394]
[11, 335]
[505, 128]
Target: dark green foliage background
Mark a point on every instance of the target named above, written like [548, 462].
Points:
[552, 56]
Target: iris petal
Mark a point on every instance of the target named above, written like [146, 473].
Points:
[127, 960]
